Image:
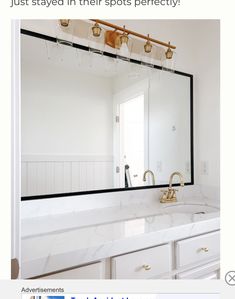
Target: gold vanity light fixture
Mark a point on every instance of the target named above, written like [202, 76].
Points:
[169, 52]
[120, 35]
[112, 39]
[96, 30]
[64, 22]
[124, 41]
[124, 37]
[134, 33]
[148, 46]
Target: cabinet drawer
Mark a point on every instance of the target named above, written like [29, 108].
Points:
[93, 271]
[142, 264]
[197, 249]
[208, 271]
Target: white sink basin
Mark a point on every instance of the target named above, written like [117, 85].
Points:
[189, 209]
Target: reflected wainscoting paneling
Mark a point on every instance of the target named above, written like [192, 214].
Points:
[49, 174]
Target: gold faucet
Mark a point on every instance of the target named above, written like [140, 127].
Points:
[152, 175]
[169, 195]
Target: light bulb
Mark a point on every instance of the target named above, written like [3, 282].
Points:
[64, 22]
[96, 30]
[169, 53]
[124, 51]
[148, 46]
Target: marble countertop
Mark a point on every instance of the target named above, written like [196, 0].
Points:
[50, 224]
[54, 242]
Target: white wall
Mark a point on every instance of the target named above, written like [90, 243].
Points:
[169, 126]
[65, 100]
[67, 129]
[207, 108]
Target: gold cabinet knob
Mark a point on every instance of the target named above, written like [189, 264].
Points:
[147, 267]
[205, 249]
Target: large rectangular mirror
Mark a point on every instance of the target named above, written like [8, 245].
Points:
[95, 123]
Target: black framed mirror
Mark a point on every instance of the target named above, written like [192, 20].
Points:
[92, 122]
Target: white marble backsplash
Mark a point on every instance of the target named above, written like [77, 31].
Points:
[62, 205]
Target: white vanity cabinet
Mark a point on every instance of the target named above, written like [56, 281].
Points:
[92, 271]
[197, 249]
[200, 256]
[191, 258]
[143, 264]
[207, 271]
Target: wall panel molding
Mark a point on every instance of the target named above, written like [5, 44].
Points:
[49, 174]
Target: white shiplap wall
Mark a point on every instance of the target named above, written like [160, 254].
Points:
[48, 174]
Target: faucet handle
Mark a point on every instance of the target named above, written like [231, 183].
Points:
[165, 195]
[173, 194]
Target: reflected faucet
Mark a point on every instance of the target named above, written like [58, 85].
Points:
[152, 175]
[169, 195]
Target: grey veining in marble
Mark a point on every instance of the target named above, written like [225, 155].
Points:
[54, 242]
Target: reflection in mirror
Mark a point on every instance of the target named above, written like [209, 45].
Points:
[93, 122]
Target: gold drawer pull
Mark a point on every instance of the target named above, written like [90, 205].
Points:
[205, 249]
[147, 267]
